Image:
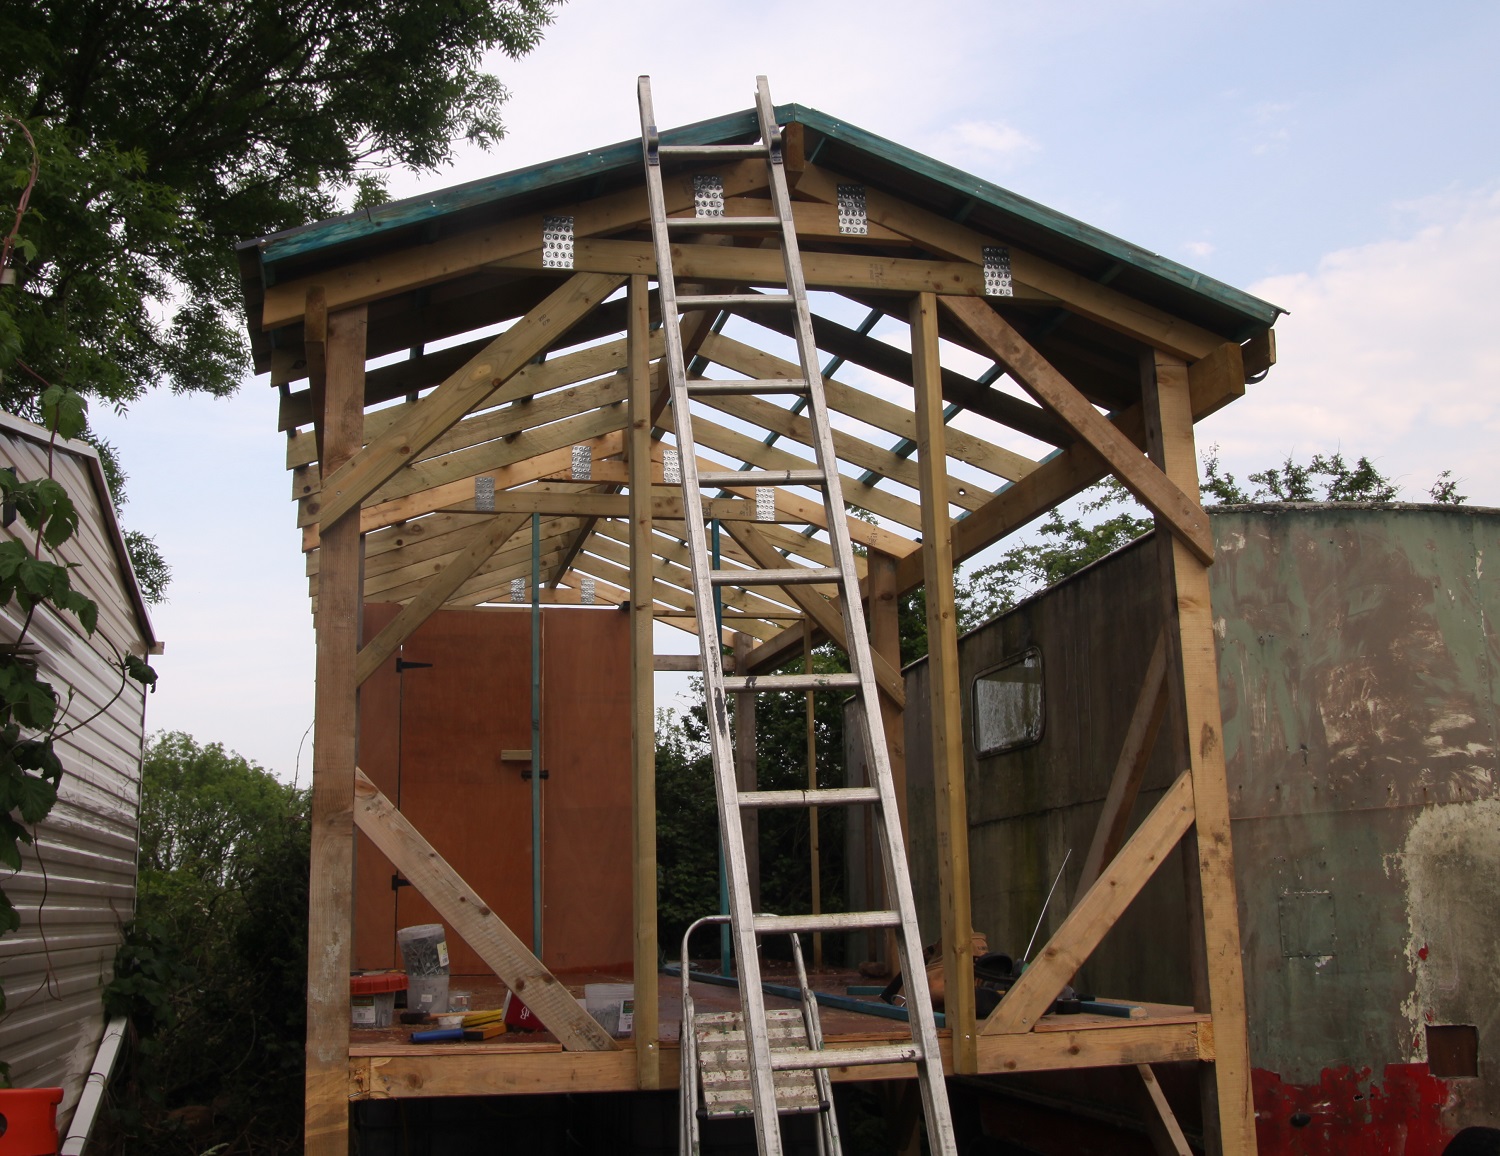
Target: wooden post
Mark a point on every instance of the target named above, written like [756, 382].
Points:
[885, 640]
[1169, 426]
[745, 765]
[815, 854]
[947, 716]
[330, 916]
[642, 691]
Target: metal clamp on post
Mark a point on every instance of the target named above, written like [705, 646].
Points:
[653, 145]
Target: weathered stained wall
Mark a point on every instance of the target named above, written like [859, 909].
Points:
[77, 885]
[1356, 677]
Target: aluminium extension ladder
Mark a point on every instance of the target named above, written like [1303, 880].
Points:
[762, 1061]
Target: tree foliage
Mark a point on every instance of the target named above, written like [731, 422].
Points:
[1108, 518]
[168, 131]
[1294, 481]
[213, 970]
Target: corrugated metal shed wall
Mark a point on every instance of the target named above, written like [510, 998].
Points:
[77, 889]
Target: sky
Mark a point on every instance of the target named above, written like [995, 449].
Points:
[1339, 159]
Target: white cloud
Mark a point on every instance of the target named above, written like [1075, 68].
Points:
[1200, 248]
[983, 145]
[1390, 349]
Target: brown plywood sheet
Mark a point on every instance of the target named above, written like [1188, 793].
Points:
[586, 860]
[456, 718]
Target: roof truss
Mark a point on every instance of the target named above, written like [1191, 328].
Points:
[1041, 389]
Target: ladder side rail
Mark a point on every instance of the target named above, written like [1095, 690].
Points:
[941, 1136]
[828, 1128]
[687, 1086]
[721, 745]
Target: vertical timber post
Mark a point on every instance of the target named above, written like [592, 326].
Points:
[744, 765]
[885, 640]
[330, 916]
[1169, 424]
[814, 850]
[538, 920]
[942, 663]
[642, 689]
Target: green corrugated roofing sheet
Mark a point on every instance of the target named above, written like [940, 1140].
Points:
[415, 211]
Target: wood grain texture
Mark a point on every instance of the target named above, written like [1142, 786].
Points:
[336, 706]
[1073, 470]
[746, 767]
[950, 802]
[479, 544]
[642, 691]
[467, 914]
[531, 466]
[453, 256]
[1184, 515]
[1167, 395]
[350, 484]
[506, 1070]
[1081, 295]
[831, 271]
[315, 353]
[883, 604]
[871, 410]
[1161, 1122]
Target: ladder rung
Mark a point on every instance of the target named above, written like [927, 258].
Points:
[792, 576]
[827, 797]
[790, 1059]
[726, 478]
[828, 921]
[710, 224]
[774, 682]
[730, 300]
[745, 150]
[704, 387]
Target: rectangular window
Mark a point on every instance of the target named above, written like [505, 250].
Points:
[1008, 704]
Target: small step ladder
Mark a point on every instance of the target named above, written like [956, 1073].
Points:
[765, 1061]
[715, 1075]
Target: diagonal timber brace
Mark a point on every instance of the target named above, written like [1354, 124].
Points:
[483, 930]
[1094, 914]
[1130, 768]
[1042, 381]
[481, 543]
[427, 420]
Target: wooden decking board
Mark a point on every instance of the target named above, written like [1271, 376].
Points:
[383, 1063]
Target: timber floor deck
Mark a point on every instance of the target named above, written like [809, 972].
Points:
[384, 1063]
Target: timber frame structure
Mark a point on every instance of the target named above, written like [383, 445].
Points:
[423, 445]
